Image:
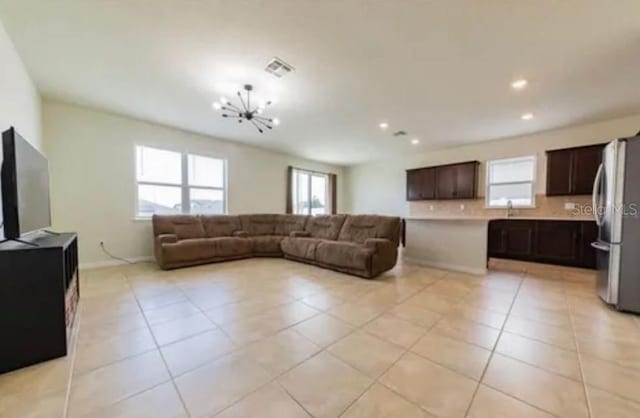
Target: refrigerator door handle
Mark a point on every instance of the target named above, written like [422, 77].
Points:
[596, 193]
[601, 246]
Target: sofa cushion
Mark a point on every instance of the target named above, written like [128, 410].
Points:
[300, 247]
[266, 244]
[183, 226]
[188, 250]
[259, 224]
[220, 225]
[184, 251]
[359, 228]
[344, 254]
[325, 226]
[228, 247]
[286, 224]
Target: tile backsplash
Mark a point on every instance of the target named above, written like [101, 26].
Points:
[546, 206]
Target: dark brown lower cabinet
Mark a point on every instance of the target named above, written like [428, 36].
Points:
[559, 242]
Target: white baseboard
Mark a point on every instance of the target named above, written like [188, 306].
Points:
[112, 263]
[447, 266]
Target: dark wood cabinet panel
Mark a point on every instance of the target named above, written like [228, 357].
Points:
[453, 181]
[572, 171]
[557, 241]
[558, 173]
[446, 182]
[496, 247]
[511, 238]
[585, 162]
[518, 238]
[414, 185]
[421, 184]
[466, 180]
[589, 234]
[553, 242]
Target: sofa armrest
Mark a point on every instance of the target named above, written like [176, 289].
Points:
[241, 234]
[379, 244]
[166, 239]
[298, 234]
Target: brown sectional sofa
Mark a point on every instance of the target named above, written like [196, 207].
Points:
[363, 245]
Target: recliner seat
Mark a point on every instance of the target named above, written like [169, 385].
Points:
[362, 245]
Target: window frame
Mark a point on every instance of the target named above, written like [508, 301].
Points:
[533, 158]
[294, 194]
[184, 186]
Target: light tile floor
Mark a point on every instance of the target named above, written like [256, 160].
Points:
[276, 339]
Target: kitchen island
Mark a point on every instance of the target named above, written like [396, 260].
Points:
[451, 243]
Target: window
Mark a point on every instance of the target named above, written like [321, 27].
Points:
[511, 179]
[310, 192]
[170, 182]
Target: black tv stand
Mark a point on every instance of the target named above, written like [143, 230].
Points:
[33, 244]
[39, 293]
[18, 240]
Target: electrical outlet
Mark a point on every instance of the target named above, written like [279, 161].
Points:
[462, 207]
[431, 208]
[569, 206]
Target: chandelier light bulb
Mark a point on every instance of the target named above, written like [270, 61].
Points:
[519, 84]
[216, 106]
[224, 100]
[276, 121]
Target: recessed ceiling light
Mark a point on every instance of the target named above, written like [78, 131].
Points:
[527, 116]
[383, 125]
[519, 84]
[415, 141]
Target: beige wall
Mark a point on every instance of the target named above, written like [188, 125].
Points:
[91, 157]
[379, 187]
[19, 99]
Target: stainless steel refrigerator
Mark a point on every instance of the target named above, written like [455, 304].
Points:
[616, 206]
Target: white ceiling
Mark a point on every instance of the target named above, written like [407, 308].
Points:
[438, 69]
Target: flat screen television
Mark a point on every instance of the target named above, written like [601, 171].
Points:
[25, 187]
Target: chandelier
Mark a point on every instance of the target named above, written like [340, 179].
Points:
[246, 113]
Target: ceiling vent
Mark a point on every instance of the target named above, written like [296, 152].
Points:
[278, 67]
[399, 133]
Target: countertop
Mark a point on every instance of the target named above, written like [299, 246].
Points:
[492, 218]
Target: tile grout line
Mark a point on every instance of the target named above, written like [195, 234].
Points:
[495, 345]
[322, 350]
[292, 397]
[164, 361]
[579, 354]
[524, 362]
[273, 379]
[67, 399]
[406, 350]
[128, 357]
[238, 349]
[378, 381]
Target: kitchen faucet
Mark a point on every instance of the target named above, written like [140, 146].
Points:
[509, 208]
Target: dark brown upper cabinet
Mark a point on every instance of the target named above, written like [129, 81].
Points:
[571, 171]
[452, 181]
[421, 184]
